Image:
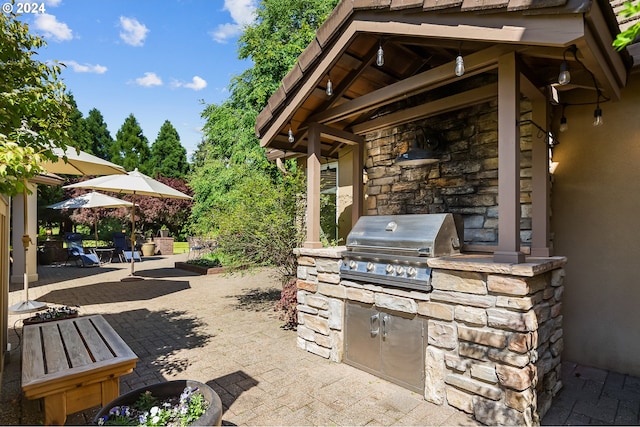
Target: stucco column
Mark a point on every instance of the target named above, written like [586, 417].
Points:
[313, 188]
[540, 194]
[508, 161]
[18, 224]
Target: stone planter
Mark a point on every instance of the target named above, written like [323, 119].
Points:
[148, 249]
[211, 417]
[163, 233]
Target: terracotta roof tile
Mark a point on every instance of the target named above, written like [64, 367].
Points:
[472, 5]
[370, 4]
[262, 119]
[292, 78]
[308, 55]
[276, 99]
[440, 4]
[340, 14]
[405, 4]
[534, 4]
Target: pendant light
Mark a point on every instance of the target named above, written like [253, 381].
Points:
[565, 76]
[380, 55]
[459, 70]
[291, 138]
[329, 89]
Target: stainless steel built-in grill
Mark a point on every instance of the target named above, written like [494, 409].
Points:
[393, 249]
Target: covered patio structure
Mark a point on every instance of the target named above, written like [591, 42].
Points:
[483, 76]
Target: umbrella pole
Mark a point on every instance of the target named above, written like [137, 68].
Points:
[133, 232]
[26, 306]
[132, 276]
[95, 225]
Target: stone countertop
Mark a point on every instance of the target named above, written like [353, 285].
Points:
[484, 263]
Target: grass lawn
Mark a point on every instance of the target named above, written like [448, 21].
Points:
[180, 247]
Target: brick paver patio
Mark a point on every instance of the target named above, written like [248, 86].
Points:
[222, 330]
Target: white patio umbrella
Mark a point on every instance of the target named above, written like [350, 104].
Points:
[135, 183]
[92, 200]
[80, 163]
[76, 163]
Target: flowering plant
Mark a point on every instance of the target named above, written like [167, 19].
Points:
[150, 411]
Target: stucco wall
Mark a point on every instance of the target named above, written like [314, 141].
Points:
[596, 205]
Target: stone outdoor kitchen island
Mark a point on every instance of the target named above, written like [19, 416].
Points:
[494, 330]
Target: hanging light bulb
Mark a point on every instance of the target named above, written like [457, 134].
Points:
[563, 124]
[565, 76]
[597, 116]
[459, 66]
[563, 120]
[291, 138]
[329, 89]
[380, 56]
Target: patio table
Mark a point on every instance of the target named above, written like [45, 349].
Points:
[105, 254]
[73, 364]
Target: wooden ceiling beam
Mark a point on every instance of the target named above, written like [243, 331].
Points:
[436, 77]
[430, 109]
[597, 64]
[339, 135]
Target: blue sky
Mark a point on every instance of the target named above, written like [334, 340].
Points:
[157, 59]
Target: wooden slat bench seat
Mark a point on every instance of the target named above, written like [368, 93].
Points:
[74, 364]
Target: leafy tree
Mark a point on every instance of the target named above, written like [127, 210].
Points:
[630, 35]
[101, 140]
[282, 30]
[238, 195]
[34, 110]
[131, 148]
[262, 230]
[168, 157]
[78, 132]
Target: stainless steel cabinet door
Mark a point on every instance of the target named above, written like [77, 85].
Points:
[362, 341]
[384, 344]
[402, 350]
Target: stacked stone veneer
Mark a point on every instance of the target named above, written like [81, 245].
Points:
[463, 181]
[494, 330]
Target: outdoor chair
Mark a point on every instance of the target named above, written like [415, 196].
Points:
[76, 252]
[123, 248]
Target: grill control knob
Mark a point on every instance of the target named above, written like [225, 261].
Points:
[370, 266]
[411, 272]
[389, 269]
[353, 264]
[400, 271]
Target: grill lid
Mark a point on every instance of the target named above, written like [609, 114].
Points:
[429, 235]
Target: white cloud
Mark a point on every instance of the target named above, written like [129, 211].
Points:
[243, 12]
[86, 68]
[133, 32]
[51, 28]
[149, 79]
[197, 83]
[53, 3]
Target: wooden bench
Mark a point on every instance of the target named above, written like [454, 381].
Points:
[74, 364]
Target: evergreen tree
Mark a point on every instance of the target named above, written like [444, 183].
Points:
[101, 140]
[131, 147]
[78, 132]
[168, 157]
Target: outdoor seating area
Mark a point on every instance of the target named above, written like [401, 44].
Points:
[78, 254]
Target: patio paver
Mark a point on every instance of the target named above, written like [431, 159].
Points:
[222, 330]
